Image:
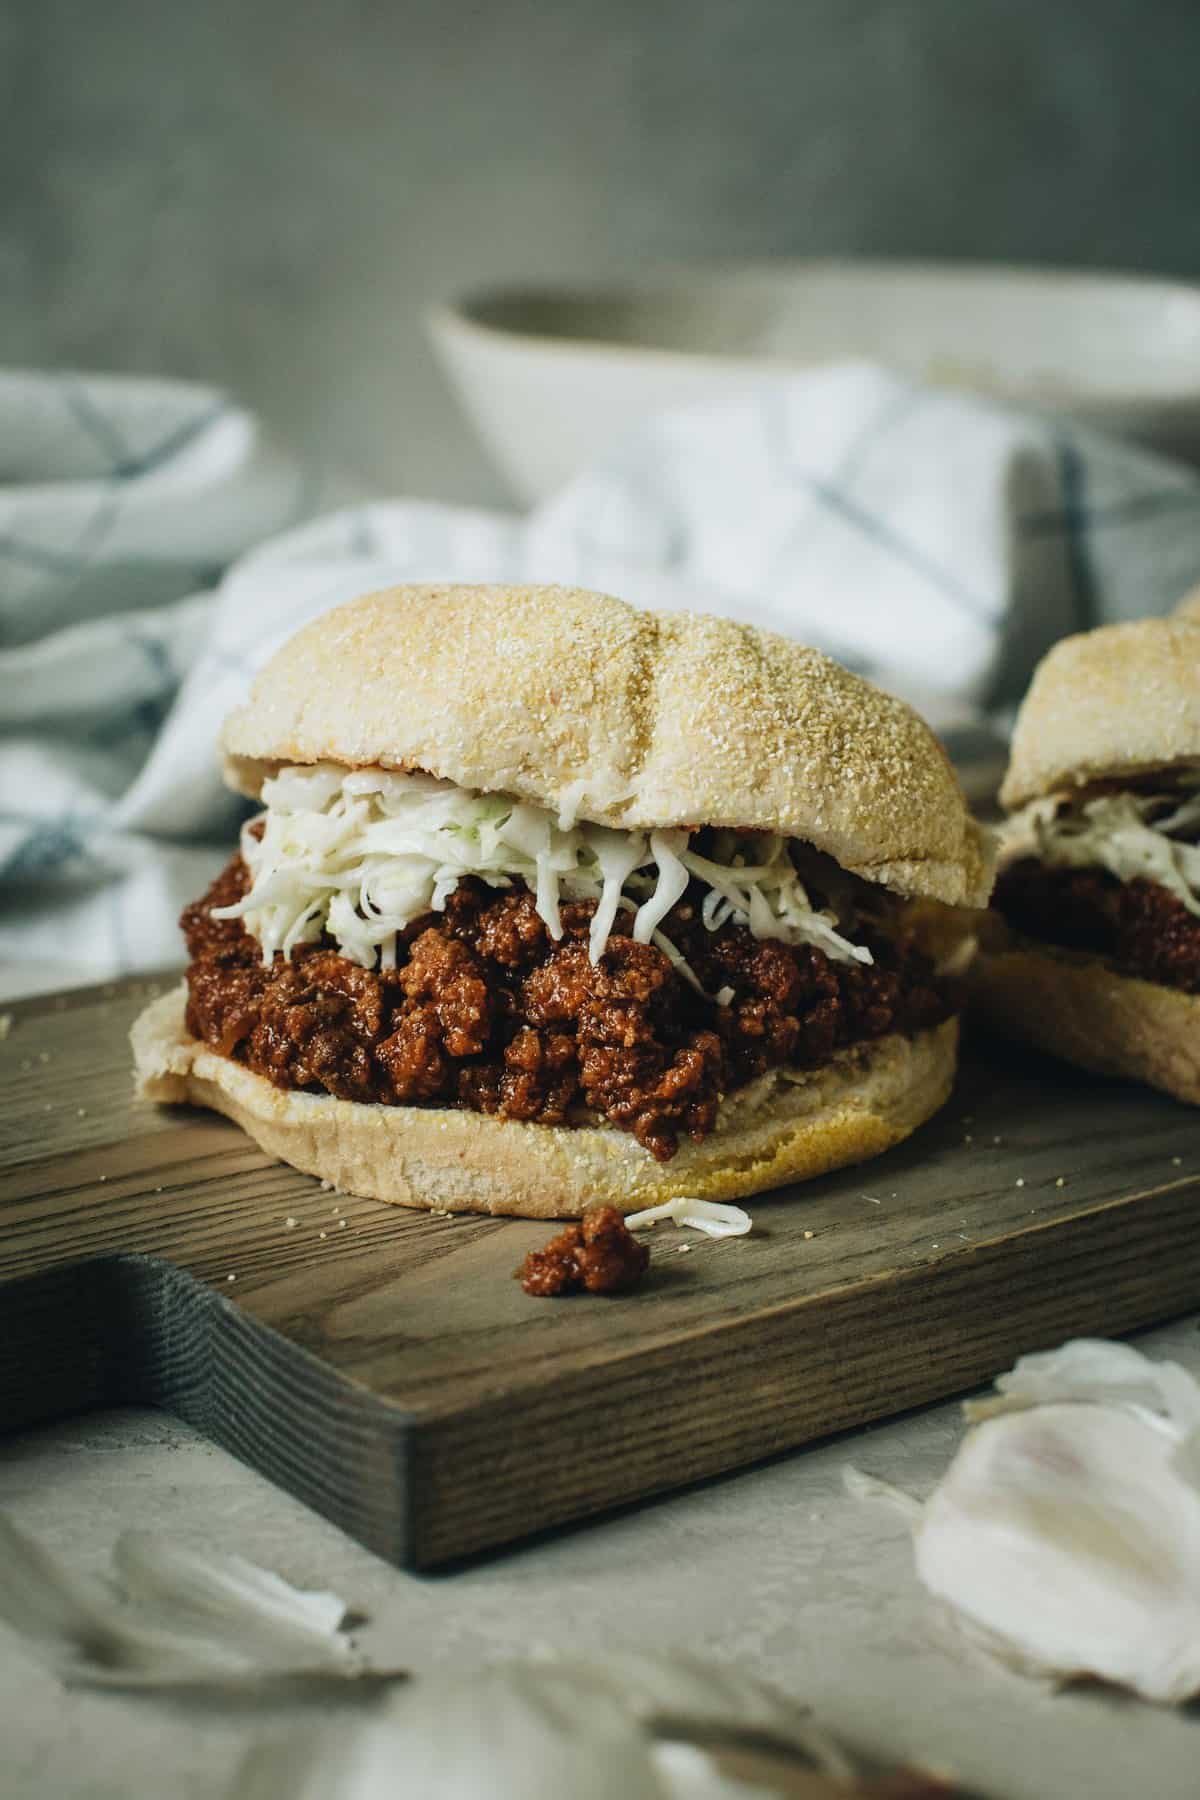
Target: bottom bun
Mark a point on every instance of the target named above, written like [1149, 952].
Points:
[786, 1126]
[1078, 1008]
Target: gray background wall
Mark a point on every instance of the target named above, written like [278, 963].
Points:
[266, 192]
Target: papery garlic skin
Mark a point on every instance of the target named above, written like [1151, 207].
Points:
[173, 1617]
[1066, 1536]
[630, 1725]
[1098, 1371]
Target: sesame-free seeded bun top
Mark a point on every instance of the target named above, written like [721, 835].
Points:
[1123, 700]
[637, 720]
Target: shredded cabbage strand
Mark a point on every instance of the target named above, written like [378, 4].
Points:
[361, 855]
[1132, 835]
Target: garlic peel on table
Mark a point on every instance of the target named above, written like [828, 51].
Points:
[1065, 1535]
[167, 1616]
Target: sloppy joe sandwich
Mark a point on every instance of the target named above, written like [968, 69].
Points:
[1095, 954]
[553, 902]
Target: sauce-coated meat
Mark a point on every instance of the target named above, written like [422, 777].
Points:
[1140, 927]
[486, 1011]
[600, 1254]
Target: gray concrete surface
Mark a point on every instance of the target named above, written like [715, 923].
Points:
[266, 194]
[775, 1570]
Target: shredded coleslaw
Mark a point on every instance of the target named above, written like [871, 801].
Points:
[360, 855]
[1132, 835]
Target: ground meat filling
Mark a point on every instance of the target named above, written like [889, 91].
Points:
[486, 1011]
[600, 1254]
[1138, 926]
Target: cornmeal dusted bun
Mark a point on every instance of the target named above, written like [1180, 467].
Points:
[1076, 1007]
[639, 984]
[1113, 705]
[1123, 700]
[553, 693]
[783, 1127]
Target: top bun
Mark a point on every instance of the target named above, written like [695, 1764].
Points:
[635, 719]
[1122, 700]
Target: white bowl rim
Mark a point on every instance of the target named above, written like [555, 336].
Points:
[457, 316]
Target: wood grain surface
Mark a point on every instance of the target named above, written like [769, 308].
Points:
[383, 1365]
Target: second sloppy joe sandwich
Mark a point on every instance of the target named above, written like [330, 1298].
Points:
[1095, 955]
[554, 901]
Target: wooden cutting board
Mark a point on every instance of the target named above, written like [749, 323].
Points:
[383, 1365]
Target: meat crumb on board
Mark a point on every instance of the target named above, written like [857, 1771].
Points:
[600, 1255]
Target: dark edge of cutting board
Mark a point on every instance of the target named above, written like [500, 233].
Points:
[134, 1330]
[509, 1416]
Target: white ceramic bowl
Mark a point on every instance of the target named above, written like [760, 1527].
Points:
[552, 376]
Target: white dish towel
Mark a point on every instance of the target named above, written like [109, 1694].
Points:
[155, 547]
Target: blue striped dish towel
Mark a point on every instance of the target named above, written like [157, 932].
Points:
[155, 547]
